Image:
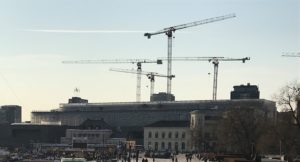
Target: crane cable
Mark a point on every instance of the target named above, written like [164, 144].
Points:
[11, 89]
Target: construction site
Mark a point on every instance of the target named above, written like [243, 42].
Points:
[131, 117]
[149, 80]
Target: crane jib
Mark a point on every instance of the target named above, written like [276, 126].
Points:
[196, 23]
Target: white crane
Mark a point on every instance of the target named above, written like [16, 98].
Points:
[215, 61]
[169, 32]
[138, 62]
[150, 75]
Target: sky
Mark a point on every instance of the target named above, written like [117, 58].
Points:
[37, 35]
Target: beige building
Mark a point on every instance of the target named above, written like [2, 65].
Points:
[168, 136]
[204, 127]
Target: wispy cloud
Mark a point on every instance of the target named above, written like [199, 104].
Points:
[83, 31]
[91, 31]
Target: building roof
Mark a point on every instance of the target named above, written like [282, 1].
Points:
[176, 123]
[95, 124]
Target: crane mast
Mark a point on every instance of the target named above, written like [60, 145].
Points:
[215, 61]
[150, 75]
[169, 32]
[138, 62]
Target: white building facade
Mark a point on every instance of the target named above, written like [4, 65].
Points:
[173, 136]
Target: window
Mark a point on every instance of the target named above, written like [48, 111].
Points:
[170, 135]
[183, 135]
[176, 146]
[156, 134]
[206, 135]
[169, 146]
[162, 145]
[149, 145]
[156, 146]
[163, 135]
[193, 121]
[176, 135]
[150, 135]
[212, 117]
[182, 146]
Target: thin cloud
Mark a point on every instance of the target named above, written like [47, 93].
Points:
[83, 31]
[90, 31]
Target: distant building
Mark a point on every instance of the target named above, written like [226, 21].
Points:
[89, 132]
[245, 92]
[77, 100]
[130, 118]
[10, 114]
[204, 127]
[24, 134]
[86, 136]
[93, 132]
[162, 96]
[168, 136]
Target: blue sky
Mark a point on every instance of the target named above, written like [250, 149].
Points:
[33, 76]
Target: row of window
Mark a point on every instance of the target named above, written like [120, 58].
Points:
[164, 147]
[86, 135]
[163, 135]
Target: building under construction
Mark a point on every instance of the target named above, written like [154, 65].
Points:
[131, 117]
[138, 114]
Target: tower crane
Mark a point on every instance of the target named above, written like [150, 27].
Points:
[215, 61]
[169, 32]
[291, 54]
[138, 62]
[150, 75]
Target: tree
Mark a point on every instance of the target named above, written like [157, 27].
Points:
[287, 128]
[288, 134]
[197, 139]
[241, 130]
[288, 99]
